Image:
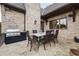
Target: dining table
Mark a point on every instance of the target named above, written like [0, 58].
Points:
[40, 35]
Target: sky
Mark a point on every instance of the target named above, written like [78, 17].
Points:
[44, 5]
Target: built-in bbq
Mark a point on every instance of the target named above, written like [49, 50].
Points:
[14, 35]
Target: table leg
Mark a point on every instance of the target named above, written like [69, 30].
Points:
[38, 43]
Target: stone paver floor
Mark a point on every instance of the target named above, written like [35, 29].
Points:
[21, 49]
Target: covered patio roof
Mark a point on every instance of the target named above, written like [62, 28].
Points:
[57, 9]
[16, 6]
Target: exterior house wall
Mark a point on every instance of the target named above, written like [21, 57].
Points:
[72, 27]
[32, 14]
[0, 18]
[0, 13]
[46, 26]
[12, 19]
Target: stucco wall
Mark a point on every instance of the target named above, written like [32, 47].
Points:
[32, 14]
[12, 20]
[72, 27]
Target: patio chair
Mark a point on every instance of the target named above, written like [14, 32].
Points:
[30, 40]
[46, 39]
[34, 37]
[34, 31]
[56, 36]
[76, 39]
[52, 30]
[52, 36]
[49, 36]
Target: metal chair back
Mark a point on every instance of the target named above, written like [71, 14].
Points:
[56, 33]
[28, 36]
[34, 31]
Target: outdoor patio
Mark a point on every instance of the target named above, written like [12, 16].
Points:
[62, 48]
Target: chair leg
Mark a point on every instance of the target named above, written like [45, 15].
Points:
[28, 44]
[1, 43]
[31, 46]
[53, 41]
[44, 47]
[38, 45]
[50, 43]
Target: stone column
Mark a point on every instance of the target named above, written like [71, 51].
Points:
[2, 17]
[32, 17]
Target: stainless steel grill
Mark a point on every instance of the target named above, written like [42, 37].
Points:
[14, 35]
[12, 32]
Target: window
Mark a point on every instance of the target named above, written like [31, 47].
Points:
[58, 24]
[51, 25]
[63, 23]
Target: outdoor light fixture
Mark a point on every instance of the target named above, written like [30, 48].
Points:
[35, 22]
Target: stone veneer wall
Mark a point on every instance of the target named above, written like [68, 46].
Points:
[0, 13]
[12, 20]
[0, 18]
[72, 27]
[32, 14]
